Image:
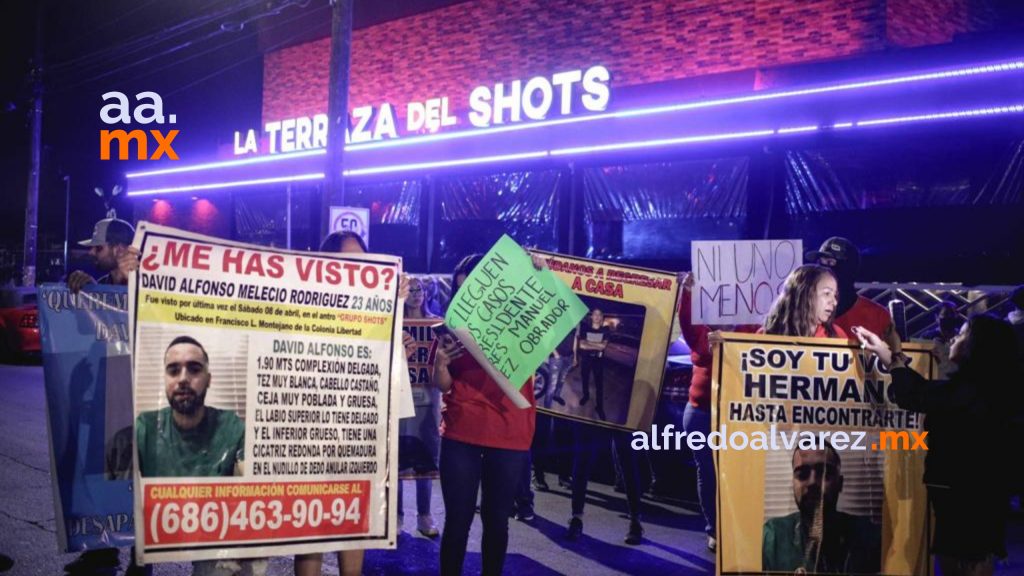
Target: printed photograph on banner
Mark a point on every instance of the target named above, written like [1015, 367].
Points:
[419, 441]
[591, 372]
[609, 370]
[266, 417]
[830, 488]
[202, 377]
[838, 494]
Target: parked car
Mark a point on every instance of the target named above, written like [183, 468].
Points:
[19, 324]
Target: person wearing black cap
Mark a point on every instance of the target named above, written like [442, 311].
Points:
[110, 241]
[109, 248]
[843, 257]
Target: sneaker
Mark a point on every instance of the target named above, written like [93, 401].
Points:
[540, 484]
[635, 534]
[102, 560]
[575, 529]
[559, 399]
[712, 544]
[525, 515]
[565, 482]
[425, 525]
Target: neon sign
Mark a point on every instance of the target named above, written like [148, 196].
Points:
[502, 103]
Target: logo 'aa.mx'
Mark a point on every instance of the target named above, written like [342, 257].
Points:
[120, 112]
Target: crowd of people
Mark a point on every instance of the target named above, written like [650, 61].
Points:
[487, 446]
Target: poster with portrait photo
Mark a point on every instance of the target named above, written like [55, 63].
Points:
[842, 492]
[264, 386]
[625, 363]
[786, 502]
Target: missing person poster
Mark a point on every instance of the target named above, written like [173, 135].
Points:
[419, 440]
[609, 368]
[265, 416]
[736, 281]
[88, 378]
[509, 315]
[819, 472]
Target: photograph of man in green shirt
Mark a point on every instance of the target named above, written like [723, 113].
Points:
[188, 438]
[817, 538]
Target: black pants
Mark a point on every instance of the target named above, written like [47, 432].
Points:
[465, 470]
[587, 441]
[593, 364]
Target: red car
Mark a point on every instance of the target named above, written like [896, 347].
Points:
[19, 324]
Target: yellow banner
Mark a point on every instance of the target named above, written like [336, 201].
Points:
[808, 477]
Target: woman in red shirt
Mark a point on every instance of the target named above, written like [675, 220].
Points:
[697, 413]
[806, 306]
[485, 445]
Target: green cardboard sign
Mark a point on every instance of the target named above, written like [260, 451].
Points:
[514, 314]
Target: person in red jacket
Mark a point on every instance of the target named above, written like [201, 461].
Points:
[697, 413]
[485, 446]
[843, 258]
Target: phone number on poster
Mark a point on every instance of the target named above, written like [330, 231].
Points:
[222, 520]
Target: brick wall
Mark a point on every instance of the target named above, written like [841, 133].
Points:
[924, 22]
[449, 51]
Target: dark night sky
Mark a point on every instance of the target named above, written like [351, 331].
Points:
[209, 75]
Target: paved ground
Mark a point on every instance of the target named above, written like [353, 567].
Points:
[674, 541]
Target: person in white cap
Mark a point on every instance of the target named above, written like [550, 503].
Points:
[110, 240]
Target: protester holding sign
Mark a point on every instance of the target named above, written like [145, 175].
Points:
[806, 306]
[350, 562]
[485, 445]
[968, 423]
[697, 414]
[424, 426]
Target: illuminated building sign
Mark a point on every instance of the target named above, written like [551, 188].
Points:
[538, 98]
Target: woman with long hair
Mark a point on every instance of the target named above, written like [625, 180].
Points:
[425, 424]
[806, 306]
[969, 419]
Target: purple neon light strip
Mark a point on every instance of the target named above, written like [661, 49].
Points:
[426, 139]
[944, 115]
[219, 185]
[661, 142]
[797, 130]
[1009, 109]
[229, 163]
[961, 72]
[445, 163]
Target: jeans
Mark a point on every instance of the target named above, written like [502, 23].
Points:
[424, 490]
[558, 368]
[465, 470]
[699, 420]
[587, 439]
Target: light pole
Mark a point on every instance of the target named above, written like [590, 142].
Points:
[67, 220]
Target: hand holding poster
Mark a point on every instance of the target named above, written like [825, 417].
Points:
[510, 316]
[737, 281]
[87, 372]
[265, 411]
[818, 471]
